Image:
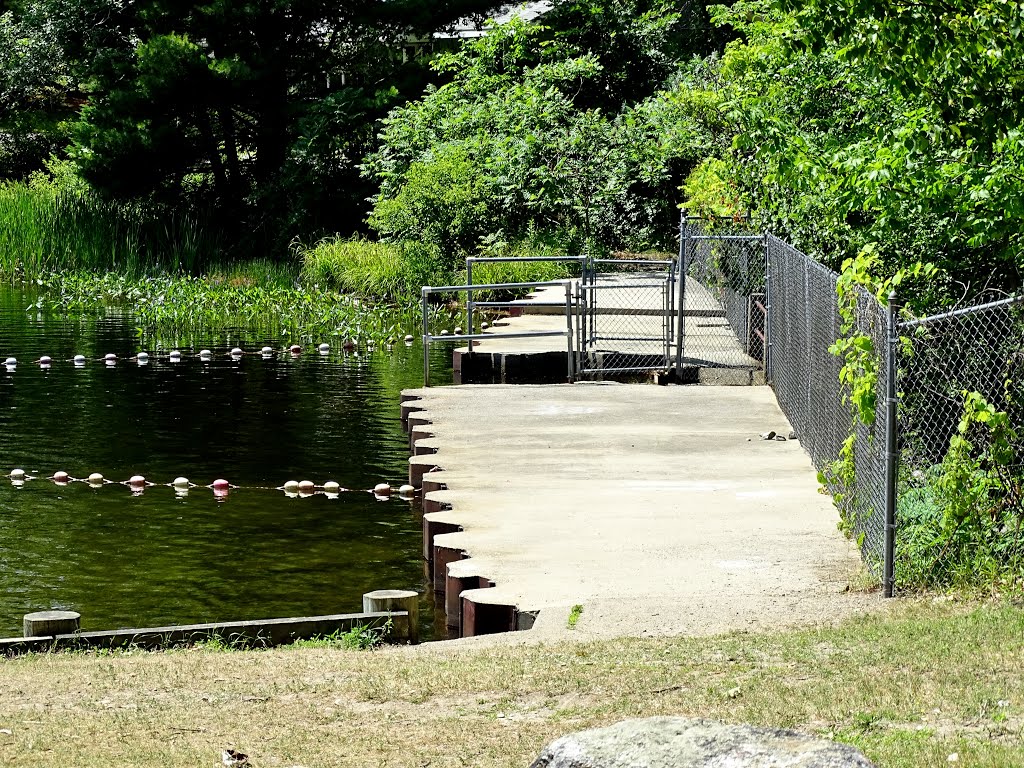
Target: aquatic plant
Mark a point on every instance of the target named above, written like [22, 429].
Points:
[45, 228]
[170, 310]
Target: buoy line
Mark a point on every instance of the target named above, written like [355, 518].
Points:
[143, 357]
[182, 485]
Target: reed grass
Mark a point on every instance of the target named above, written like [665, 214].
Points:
[46, 228]
[381, 269]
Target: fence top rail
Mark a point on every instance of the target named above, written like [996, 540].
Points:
[432, 337]
[508, 259]
[960, 312]
[725, 237]
[428, 289]
[653, 283]
[634, 261]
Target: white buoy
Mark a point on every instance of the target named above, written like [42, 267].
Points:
[382, 489]
[205, 354]
[110, 357]
[236, 352]
[17, 474]
[457, 331]
[136, 480]
[45, 360]
[324, 348]
[484, 326]
[332, 487]
[406, 490]
[61, 478]
[444, 331]
[181, 482]
[95, 479]
[307, 486]
[11, 361]
[291, 486]
[142, 357]
[267, 351]
[292, 494]
[79, 359]
[175, 354]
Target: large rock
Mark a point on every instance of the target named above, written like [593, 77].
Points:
[682, 742]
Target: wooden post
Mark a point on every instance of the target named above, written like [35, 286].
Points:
[46, 623]
[389, 600]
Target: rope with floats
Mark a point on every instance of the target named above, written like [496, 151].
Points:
[220, 487]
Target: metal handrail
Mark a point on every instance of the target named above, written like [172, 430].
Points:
[471, 337]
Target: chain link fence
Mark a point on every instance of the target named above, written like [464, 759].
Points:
[723, 311]
[960, 485]
[804, 324]
[625, 322]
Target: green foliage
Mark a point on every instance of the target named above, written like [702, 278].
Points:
[574, 616]
[538, 131]
[170, 311]
[260, 110]
[859, 372]
[362, 637]
[385, 270]
[955, 529]
[46, 226]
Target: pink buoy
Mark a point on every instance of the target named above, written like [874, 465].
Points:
[220, 484]
[382, 489]
[61, 478]
[220, 494]
[136, 480]
[306, 486]
[295, 349]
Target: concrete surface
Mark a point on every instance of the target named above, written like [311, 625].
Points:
[658, 509]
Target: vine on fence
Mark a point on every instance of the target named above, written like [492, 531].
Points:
[957, 528]
[859, 373]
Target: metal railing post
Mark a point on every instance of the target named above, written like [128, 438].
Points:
[426, 335]
[469, 301]
[568, 332]
[891, 405]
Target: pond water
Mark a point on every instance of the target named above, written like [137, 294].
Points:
[157, 558]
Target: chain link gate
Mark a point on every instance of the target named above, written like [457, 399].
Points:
[625, 316]
[722, 311]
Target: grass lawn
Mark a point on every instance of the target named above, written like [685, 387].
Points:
[909, 686]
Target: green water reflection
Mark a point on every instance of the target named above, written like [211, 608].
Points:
[158, 558]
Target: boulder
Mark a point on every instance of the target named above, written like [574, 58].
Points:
[682, 742]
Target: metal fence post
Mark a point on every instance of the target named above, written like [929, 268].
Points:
[682, 291]
[891, 404]
[767, 311]
[426, 336]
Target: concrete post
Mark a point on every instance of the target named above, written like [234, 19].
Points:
[46, 623]
[387, 600]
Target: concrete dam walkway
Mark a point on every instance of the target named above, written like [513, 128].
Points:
[659, 510]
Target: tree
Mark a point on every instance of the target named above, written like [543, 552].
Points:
[259, 109]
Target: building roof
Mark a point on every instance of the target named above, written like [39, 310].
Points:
[469, 28]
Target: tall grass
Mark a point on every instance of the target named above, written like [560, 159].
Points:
[45, 228]
[394, 271]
